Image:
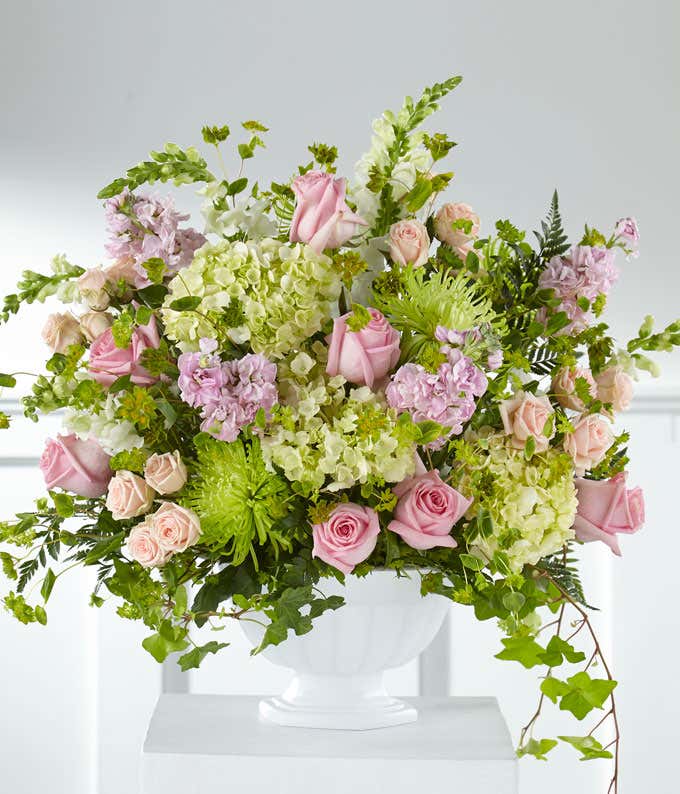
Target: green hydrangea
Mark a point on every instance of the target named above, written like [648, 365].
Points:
[322, 439]
[532, 503]
[269, 294]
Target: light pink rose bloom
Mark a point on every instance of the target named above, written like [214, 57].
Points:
[129, 496]
[322, 217]
[427, 512]
[364, 356]
[93, 324]
[348, 536]
[108, 362]
[166, 473]
[526, 415]
[61, 331]
[589, 442]
[458, 239]
[93, 289]
[409, 243]
[615, 386]
[143, 545]
[564, 385]
[124, 269]
[81, 467]
[607, 507]
[176, 527]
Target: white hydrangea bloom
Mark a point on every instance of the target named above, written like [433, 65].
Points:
[248, 216]
[112, 434]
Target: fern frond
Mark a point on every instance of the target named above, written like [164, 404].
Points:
[551, 238]
[563, 570]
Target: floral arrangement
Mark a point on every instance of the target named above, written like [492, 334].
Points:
[327, 380]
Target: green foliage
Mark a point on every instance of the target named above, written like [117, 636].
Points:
[324, 155]
[168, 639]
[539, 748]
[193, 658]
[215, 135]
[552, 238]
[563, 570]
[588, 746]
[36, 287]
[579, 694]
[359, 318]
[130, 460]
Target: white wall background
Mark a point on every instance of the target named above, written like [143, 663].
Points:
[579, 95]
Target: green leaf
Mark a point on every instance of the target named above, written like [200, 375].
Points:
[194, 657]
[48, 584]
[237, 186]
[215, 135]
[63, 504]
[429, 431]
[559, 647]
[524, 650]
[155, 270]
[40, 615]
[556, 323]
[7, 381]
[168, 639]
[221, 586]
[419, 194]
[359, 318]
[553, 688]
[472, 562]
[529, 448]
[588, 746]
[579, 694]
[539, 748]
[513, 601]
[187, 304]
[180, 598]
[254, 126]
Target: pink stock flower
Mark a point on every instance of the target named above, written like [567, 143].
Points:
[589, 442]
[348, 536]
[109, 362]
[526, 415]
[627, 233]
[409, 243]
[606, 508]
[322, 217]
[427, 512]
[364, 356]
[81, 467]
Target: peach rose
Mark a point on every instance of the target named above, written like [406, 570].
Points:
[61, 331]
[615, 386]
[589, 442]
[128, 496]
[93, 289]
[124, 270]
[166, 473]
[409, 243]
[176, 527]
[348, 536]
[143, 546]
[526, 415]
[449, 228]
[93, 324]
[564, 387]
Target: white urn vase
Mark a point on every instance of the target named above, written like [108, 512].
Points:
[339, 666]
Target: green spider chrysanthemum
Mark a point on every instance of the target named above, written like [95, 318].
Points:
[237, 500]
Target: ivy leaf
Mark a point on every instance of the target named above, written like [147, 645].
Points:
[472, 562]
[187, 304]
[215, 135]
[559, 648]
[553, 688]
[524, 650]
[588, 746]
[194, 657]
[63, 504]
[538, 748]
[221, 586]
[579, 694]
[168, 639]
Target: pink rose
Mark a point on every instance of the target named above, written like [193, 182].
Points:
[93, 324]
[589, 442]
[81, 467]
[61, 331]
[564, 387]
[124, 270]
[93, 286]
[526, 415]
[176, 527]
[128, 496]
[364, 356]
[108, 362]
[166, 473]
[322, 217]
[607, 507]
[615, 386]
[143, 545]
[449, 228]
[409, 243]
[348, 536]
[427, 511]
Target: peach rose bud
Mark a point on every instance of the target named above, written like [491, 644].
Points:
[93, 324]
[614, 386]
[176, 527]
[449, 229]
[564, 387]
[143, 546]
[526, 415]
[409, 243]
[166, 473]
[589, 442]
[93, 289]
[61, 331]
[128, 496]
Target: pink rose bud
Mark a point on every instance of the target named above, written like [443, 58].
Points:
[448, 229]
[166, 473]
[124, 270]
[81, 467]
[109, 362]
[322, 217]
[176, 527]
[589, 442]
[564, 387]
[93, 289]
[61, 331]
[607, 507]
[144, 547]
[427, 512]
[364, 356]
[348, 536]
[128, 496]
[409, 243]
[526, 415]
[614, 386]
[93, 324]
